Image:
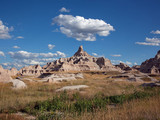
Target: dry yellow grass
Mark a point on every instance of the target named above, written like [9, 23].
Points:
[98, 83]
[143, 109]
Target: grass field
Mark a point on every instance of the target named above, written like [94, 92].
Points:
[100, 86]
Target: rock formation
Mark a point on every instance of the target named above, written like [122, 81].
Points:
[75, 87]
[80, 61]
[133, 77]
[152, 65]
[32, 70]
[124, 67]
[18, 84]
[136, 67]
[59, 77]
[4, 76]
[12, 71]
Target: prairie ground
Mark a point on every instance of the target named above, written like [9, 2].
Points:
[13, 101]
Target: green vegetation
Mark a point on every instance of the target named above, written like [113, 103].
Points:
[75, 104]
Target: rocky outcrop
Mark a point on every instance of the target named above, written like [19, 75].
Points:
[75, 87]
[136, 67]
[18, 84]
[32, 70]
[60, 77]
[4, 76]
[12, 71]
[133, 77]
[124, 67]
[152, 65]
[80, 61]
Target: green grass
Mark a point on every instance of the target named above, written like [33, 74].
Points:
[75, 104]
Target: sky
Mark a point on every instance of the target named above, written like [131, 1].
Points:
[40, 31]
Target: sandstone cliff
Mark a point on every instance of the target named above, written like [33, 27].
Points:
[152, 65]
[4, 76]
[80, 61]
[12, 71]
[31, 70]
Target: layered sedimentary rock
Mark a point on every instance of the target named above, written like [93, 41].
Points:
[136, 67]
[80, 61]
[12, 71]
[152, 65]
[124, 67]
[4, 76]
[59, 77]
[32, 70]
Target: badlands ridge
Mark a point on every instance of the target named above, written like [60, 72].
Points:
[80, 62]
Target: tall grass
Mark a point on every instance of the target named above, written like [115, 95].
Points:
[77, 105]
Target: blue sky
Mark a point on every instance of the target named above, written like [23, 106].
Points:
[39, 31]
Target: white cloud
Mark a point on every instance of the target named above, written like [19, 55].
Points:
[23, 55]
[153, 40]
[60, 54]
[50, 55]
[63, 9]
[156, 32]
[29, 55]
[24, 58]
[11, 65]
[128, 63]
[118, 55]
[16, 47]
[4, 31]
[50, 46]
[135, 63]
[115, 62]
[19, 37]
[82, 29]
[95, 54]
[2, 53]
[145, 43]
[150, 42]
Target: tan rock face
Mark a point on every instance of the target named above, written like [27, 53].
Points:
[4, 76]
[124, 67]
[152, 65]
[12, 71]
[137, 67]
[81, 61]
[32, 70]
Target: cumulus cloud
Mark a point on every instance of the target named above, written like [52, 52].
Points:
[128, 63]
[82, 29]
[63, 9]
[2, 53]
[150, 41]
[135, 63]
[19, 37]
[24, 58]
[95, 54]
[29, 55]
[155, 32]
[117, 55]
[50, 55]
[4, 31]
[145, 43]
[23, 55]
[50, 46]
[11, 65]
[153, 40]
[16, 47]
